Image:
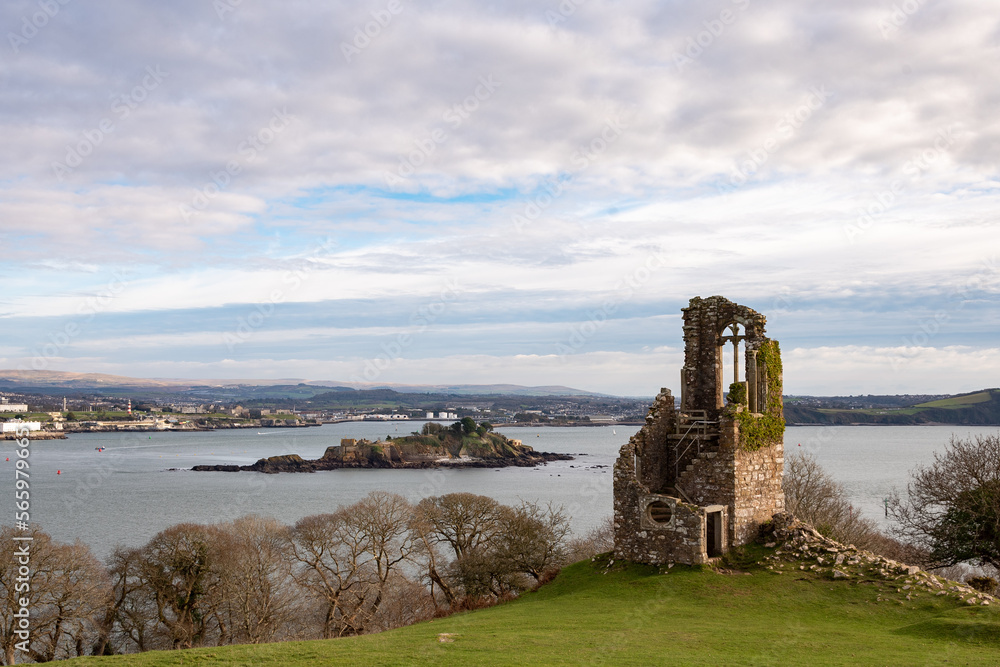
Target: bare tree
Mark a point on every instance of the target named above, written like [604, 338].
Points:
[74, 590]
[464, 521]
[331, 566]
[597, 540]
[953, 505]
[65, 587]
[427, 550]
[256, 587]
[177, 570]
[532, 539]
[404, 602]
[383, 519]
[493, 545]
[814, 497]
[130, 622]
[467, 524]
[351, 560]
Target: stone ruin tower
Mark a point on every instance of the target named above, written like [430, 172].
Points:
[695, 481]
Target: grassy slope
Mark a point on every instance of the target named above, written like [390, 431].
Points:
[637, 616]
[958, 401]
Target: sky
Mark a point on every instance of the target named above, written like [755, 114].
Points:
[390, 191]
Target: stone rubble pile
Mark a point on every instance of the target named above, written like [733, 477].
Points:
[798, 546]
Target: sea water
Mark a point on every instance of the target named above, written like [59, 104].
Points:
[142, 483]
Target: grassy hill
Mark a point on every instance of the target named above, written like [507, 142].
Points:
[975, 408]
[603, 613]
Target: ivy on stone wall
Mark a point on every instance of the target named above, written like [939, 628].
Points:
[738, 393]
[769, 427]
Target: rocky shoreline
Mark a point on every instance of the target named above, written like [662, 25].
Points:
[295, 463]
[398, 454]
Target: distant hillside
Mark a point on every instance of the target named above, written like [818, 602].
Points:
[60, 381]
[980, 408]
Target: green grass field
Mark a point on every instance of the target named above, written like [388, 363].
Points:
[958, 401]
[871, 411]
[637, 615]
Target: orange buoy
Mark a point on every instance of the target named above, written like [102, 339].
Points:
[58, 472]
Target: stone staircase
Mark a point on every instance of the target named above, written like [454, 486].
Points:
[694, 438]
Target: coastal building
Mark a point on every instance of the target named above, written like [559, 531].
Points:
[699, 479]
[601, 419]
[18, 425]
[12, 407]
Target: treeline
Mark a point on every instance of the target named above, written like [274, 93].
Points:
[380, 563]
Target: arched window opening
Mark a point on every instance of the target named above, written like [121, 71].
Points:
[731, 355]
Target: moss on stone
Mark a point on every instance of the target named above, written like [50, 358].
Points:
[767, 428]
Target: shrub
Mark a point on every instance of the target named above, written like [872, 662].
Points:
[983, 584]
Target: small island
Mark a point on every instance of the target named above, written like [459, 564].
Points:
[464, 444]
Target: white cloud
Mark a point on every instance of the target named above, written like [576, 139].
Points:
[744, 111]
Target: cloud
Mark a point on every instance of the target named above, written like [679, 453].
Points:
[831, 163]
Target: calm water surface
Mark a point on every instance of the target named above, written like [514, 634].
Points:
[127, 493]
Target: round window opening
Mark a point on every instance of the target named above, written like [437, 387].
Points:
[660, 512]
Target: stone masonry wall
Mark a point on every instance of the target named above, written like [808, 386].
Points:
[702, 372]
[758, 489]
[651, 442]
[637, 537]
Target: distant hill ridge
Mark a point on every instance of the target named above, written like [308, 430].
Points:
[22, 379]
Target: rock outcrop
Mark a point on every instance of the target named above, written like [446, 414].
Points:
[799, 547]
[489, 451]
